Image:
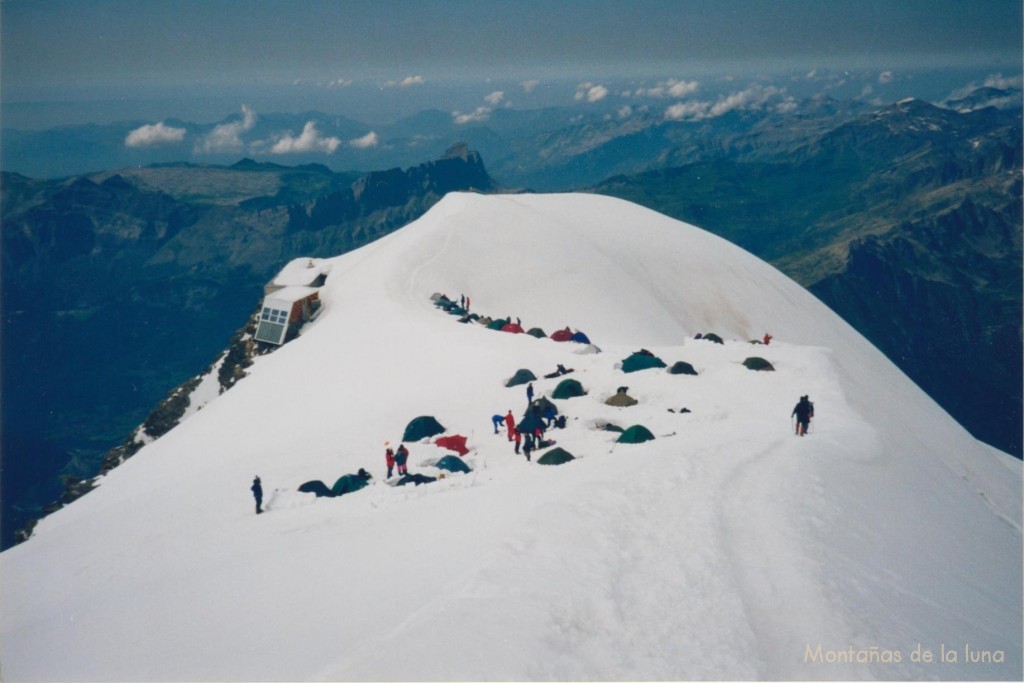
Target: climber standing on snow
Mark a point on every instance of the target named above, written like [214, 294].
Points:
[257, 493]
[510, 423]
[389, 459]
[401, 458]
[529, 392]
[804, 411]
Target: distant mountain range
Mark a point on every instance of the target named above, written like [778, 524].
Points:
[121, 284]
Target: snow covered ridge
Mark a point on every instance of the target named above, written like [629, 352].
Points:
[724, 548]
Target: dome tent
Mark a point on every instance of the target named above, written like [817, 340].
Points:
[513, 328]
[451, 463]
[536, 332]
[421, 428]
[561, 335]
[556, 456]
[497, 324]
[522, 376]
[316, 486]
[348, 483]
[642, 360]
[635, 434]
[757, 363]
[712, 337]
[682, 368]
[568, 388]
[580, 338]
[621, 400]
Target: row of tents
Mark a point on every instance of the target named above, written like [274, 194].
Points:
[505, 324]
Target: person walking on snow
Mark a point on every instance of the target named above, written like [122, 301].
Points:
[528, 446]
[519, 440]
[804, 411]
[529, 392]
[257, 493]
[389, 458]
[767, 339]
[401, 458]
[510, 424]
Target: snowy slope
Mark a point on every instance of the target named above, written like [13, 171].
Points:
[727, 548]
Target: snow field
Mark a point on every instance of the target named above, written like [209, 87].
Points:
[720, 550]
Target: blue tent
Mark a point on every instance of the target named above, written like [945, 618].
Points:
[580, 338]
[453, 463]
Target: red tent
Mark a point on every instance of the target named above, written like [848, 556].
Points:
[561, 336]
[512, 327]
[453, 443]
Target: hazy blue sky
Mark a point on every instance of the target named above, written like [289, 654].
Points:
[178, 42]
[70, 50]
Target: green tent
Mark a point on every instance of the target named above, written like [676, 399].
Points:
[712, 337]
[635, 434]
[347, 484]
[556, 456]
[421, 428]
[536, 332]
[568, 388]
[641, 361]
[757, 363]
[522, 376]
[682, 368]
[542, 405]
[497, 324]
[612, 428]
[453, 463]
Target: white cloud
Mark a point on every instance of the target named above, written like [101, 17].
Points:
[154, 134]
[885, 77]
[687, 111]
[309, 141]
[529, 86]
[625, 112]
[405, 82]
[369, 140]
[339, 83]
[754, 97]
[673, 87]
[495, 98]
[1002, 82]
[227, 137]
[591, 92]
[476, 116]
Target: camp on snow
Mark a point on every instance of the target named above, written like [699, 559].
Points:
[421, 428]
[522, 376]
[682, 368]
[556, 456]
[568, 388]
[451, 463]
[635, 434]
[758, 363]
[621, 400]
[642, 360]
[454, 442]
